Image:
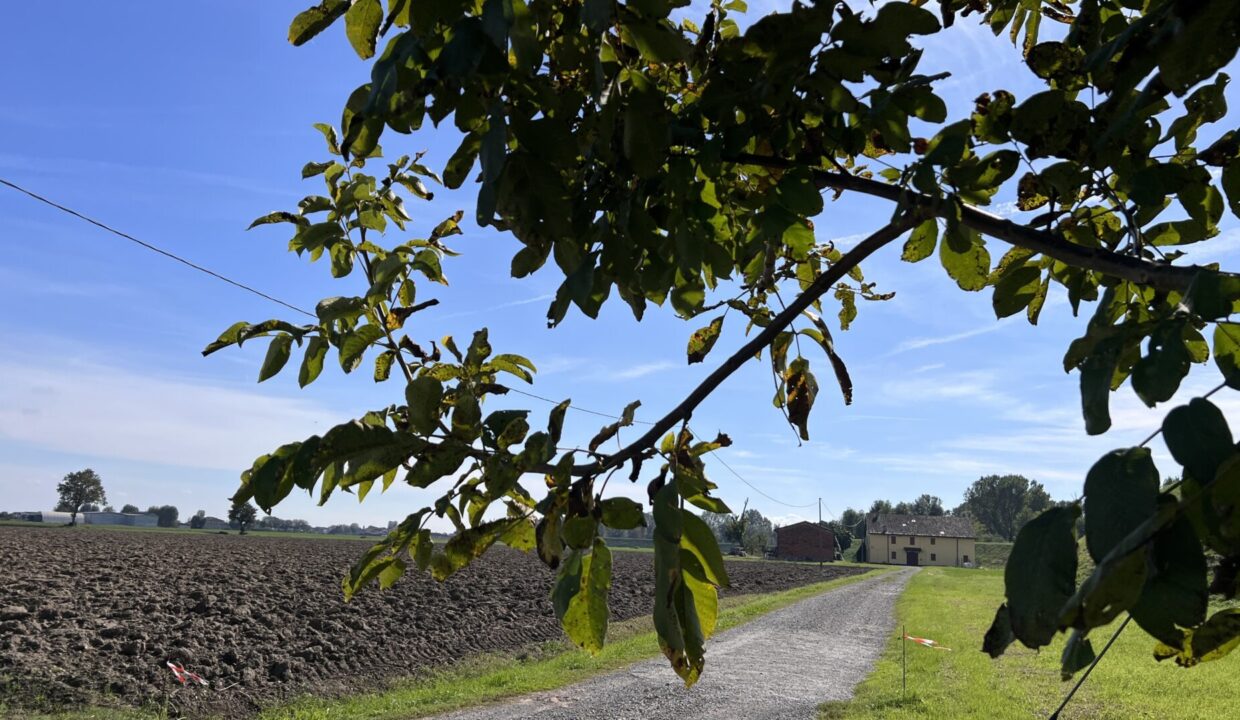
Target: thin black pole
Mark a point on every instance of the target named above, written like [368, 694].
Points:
[903, 660]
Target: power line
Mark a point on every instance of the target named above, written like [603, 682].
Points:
[307, 313]
[153, 248]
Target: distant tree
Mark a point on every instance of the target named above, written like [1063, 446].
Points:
[755, 532]
[903, 508]
[167, 514]
[1003, 503]
[880, 507]
[109, 509]
[843, 537]
[78, 489]
[90, 507]
[927, 505]
[243, 514]
[854, 520]
[130, 509]
[199, 520]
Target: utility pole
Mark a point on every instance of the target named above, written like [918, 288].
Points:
[820, 528]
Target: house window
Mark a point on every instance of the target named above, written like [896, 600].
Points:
[893, 554]
[933, 556]
[966, 558]
[912, 540]
[931, 541]
[893, 539]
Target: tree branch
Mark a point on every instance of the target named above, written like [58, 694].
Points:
[817, 289]
[1126, 267]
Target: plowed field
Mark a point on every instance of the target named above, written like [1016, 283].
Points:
[91, 616]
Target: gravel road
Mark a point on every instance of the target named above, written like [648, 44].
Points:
[782, 665]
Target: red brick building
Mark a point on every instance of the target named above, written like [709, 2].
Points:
[805, 541]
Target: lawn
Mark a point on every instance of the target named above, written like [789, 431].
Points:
[993, 554]
[955, 606]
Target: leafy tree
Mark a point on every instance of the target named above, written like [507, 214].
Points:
[1004, 503]
[854, 522]
[756, 532]
[168, 514]
[109, 509]
[682, 163]
[881, 507]
[130, 509]
[199, 520]
[242, 514]
[843, 537]
[77, 490]
[927, 505]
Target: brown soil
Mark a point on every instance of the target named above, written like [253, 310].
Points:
[91, 616]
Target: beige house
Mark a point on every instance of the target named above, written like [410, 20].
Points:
[920, 540]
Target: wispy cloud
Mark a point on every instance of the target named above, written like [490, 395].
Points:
[924, 342]
[501, 306]
[640, 371]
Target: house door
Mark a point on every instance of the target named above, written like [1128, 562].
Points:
[911, 557]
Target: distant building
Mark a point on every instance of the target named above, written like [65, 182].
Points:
[46, 516]
[920, 540]
[214, 523]
[804, 541]
[115, 518]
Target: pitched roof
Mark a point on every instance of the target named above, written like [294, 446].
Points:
[938, 525]
[803, 522]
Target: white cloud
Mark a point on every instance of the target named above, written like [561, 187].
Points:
[98, 410]
[642, 370]
[919, 343]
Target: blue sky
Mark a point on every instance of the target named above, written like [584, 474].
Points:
[181, 122]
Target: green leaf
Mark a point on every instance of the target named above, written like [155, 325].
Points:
[312, 363]
[703, 339]
[1121, 492]
[580, 531]
[1040, 575]
[468, 544]
[355, 345]
[1175, 594]
[462, 161]
[1217, 637]
[585, 618]
[963, 254]
[621, 513]
[1016, 289]
[999, 636]
[1227, 353]
[1111, 589]
[309, 23]
[279, 217]
[520, 535]
[424, 396]
[920, 244]
[1198, 437]
[1231, 185]
[1078, 654]
[657, 42]
[697, 537]
[277, 356]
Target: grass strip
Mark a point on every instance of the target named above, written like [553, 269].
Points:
[955, 606]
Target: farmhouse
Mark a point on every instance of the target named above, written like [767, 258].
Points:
[920, 540]
[804, 541]
[115, 518]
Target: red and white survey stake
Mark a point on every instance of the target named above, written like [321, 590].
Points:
[925, 641]
[184, 675]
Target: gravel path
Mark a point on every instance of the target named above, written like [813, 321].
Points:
[782, 665]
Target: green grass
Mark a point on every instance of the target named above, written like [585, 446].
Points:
[955, 606]
[993, 554]
[492, 678]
